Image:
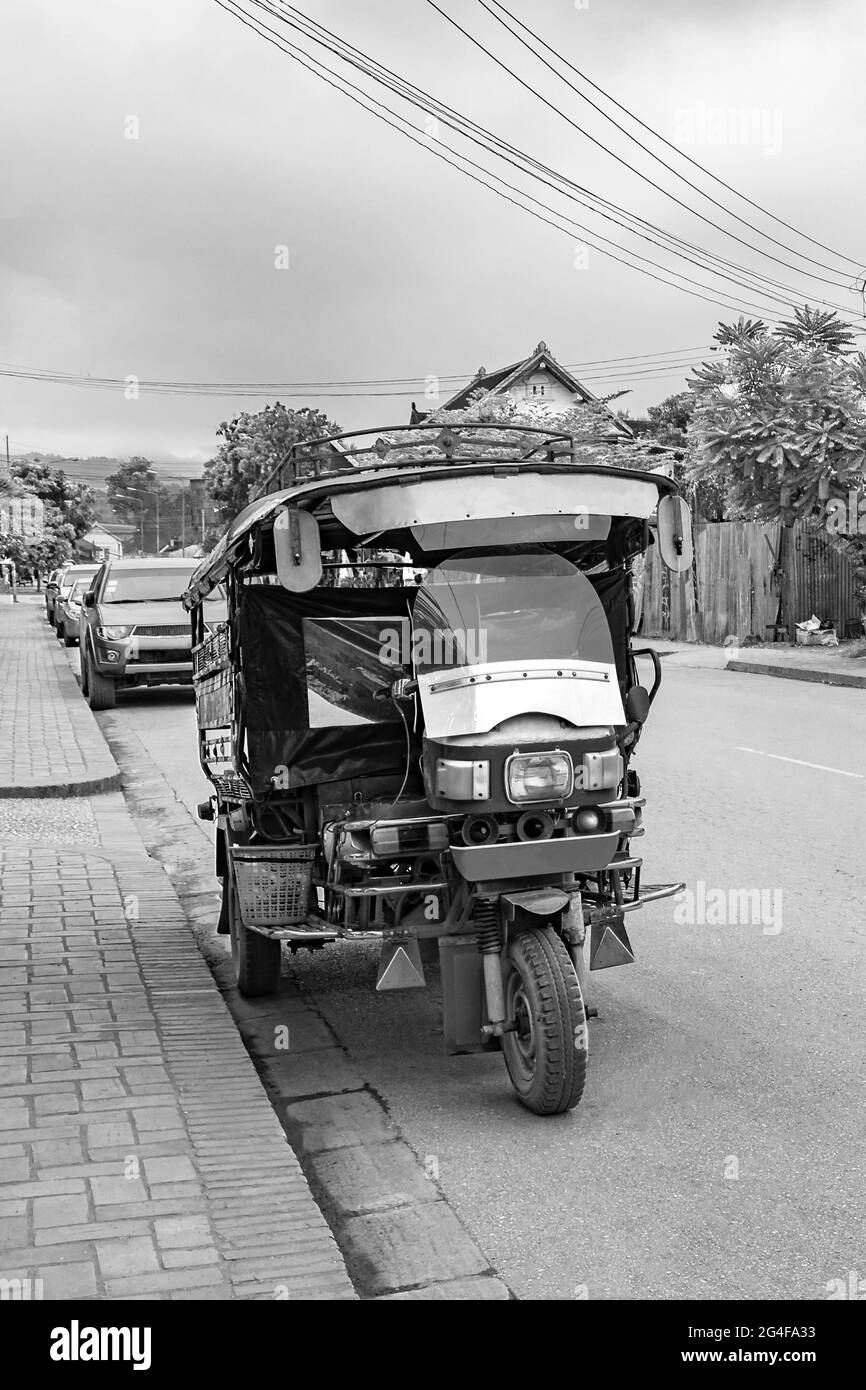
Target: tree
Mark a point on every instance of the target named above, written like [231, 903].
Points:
[74, 501]
[780, 416]
[136, 491]
[252, 447]
[53, 548]
[780, 422]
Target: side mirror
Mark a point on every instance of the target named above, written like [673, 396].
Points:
[298, 549]
[675, 533]
[90, 599]
[637, 704]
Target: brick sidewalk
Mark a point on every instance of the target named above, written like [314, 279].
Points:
[50, 744]
[139, 1154]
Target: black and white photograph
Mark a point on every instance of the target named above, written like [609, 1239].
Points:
[432, 672]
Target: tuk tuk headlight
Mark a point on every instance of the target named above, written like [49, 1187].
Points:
[538, 777]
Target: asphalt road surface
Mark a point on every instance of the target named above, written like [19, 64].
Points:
[718, 1151]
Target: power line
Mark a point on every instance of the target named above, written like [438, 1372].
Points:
[291, 50]
[694, 163]
[462, 125]
[600, 145]
[418, 380]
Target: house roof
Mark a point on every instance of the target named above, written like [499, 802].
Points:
[499, 381]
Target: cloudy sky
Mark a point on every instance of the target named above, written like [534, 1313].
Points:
[157, 153]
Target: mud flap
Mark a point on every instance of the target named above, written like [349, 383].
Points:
[608, 943]
[463, 1011]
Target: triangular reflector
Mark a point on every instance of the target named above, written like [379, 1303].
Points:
[400, 966]
[609, 945]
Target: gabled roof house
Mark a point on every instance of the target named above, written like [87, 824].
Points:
[539, 378]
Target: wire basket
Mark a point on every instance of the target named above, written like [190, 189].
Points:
[273, 883]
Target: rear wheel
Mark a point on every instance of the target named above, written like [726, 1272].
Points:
[256, 958]
[101, 691]
[68, 639]
[546, 1054]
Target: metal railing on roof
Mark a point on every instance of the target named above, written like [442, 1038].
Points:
[407, 445]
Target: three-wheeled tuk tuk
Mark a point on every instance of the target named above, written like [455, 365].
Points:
[420, 719]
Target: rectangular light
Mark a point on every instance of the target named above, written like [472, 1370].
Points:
[538, 777]
[409, 837]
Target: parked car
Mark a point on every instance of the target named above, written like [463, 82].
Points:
[66, 577]
[67, 609]
[51, 586]
[133, 629]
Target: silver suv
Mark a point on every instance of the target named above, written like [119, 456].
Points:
[134, 630]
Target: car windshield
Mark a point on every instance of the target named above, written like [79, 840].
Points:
[472, 610]
[147, 585]
[69, 581]
[80, 586]
[153, 585]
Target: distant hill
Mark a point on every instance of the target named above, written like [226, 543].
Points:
[94, 471]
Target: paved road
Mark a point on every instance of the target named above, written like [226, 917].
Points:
[718, 1152]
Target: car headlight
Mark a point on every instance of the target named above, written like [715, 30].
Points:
[538, 777]
[113, 634]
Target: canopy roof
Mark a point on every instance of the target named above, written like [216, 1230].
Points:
[409, 480]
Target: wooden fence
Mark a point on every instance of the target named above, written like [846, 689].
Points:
[747, 576]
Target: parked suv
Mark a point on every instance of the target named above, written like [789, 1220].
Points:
[67, 609]
[134, 630]
[51, 587]
[58, 586]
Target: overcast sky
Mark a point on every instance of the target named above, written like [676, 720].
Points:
[155, 257]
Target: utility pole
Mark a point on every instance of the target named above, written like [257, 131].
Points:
[7, 454]
[156, 495]
[182, 520]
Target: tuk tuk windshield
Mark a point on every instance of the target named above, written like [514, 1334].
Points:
[475, 609]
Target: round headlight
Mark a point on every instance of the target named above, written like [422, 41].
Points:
[588, 820]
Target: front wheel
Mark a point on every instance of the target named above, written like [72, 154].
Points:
[546, 1053]
[256, 958]
[101, 690]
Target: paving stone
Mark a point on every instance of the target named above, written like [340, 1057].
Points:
[109, 1191]
[137, 1255]
[409, 1247]
[321, 1072]
[13, 1231]
[182, 1232]
[190, 1259]
[57, 1105]
[59, 1211]
[100, 1135]
[336, 1122]
[51, 1153]
[374, 1177]
[163, 1282]
[74, 1280]
[169, 1170]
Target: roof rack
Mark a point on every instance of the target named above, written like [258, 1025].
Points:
[393, 446]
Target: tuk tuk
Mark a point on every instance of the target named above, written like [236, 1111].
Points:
[420, 721]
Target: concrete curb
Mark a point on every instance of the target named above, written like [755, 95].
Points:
[90, 786]
[815, 675]
[103, 774]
